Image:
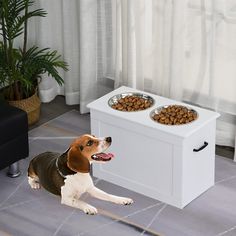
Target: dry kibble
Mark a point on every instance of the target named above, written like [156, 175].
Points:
[131, 103]
[175, 115]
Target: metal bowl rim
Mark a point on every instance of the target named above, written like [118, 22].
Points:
[125, 94]
[165, 106]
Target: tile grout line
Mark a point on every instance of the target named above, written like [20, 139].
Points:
[73, 110]
[154, 218]
[227, 231]
[49, 121]
[63, 222]
[19, 204]
[122, 217]
[226, 158]
[226, 179]
[4, 201]
[59, 129]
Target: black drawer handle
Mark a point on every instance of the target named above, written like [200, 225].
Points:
[201, 148]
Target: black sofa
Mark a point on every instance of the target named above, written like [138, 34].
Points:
[13, 138]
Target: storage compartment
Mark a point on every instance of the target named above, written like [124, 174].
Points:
[132, 151]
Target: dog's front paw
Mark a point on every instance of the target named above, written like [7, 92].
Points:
[35, 185]
[90, 210]
[123, 201]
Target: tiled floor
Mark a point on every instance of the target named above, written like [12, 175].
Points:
[27, 212]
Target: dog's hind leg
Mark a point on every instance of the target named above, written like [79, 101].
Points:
[34, 182]
[33, 179]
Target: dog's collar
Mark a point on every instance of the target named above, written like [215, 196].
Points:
[61, 165]
[58, 170]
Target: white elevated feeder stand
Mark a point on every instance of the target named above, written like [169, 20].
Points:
[154, 159]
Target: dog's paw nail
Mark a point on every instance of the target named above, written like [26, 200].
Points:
[128, 201]
[124, 201]
[90, 210]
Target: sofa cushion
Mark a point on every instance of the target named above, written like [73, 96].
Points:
[13, 122]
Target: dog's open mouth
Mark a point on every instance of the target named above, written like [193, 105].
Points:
[102, 156]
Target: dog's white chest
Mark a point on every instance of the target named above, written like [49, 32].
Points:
[78, 183]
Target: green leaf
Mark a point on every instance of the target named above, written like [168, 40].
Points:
[24, 66]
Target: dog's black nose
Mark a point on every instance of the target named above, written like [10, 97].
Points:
[108, 139]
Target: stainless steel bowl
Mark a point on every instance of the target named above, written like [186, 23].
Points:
[114, 100]
[158, 110]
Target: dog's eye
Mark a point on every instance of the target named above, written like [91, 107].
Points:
[90, 143]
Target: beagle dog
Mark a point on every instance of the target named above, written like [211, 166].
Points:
[68, 175]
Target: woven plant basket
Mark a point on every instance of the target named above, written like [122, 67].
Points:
[32, 107]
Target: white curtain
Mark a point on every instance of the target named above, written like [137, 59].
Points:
[95, 50]
[150, 37]
[184, 50]
[59, 30]
[75, 29]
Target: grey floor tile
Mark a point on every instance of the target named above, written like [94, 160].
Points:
[7, 189]
[140, 212]
[50, 130]
[211, 213]
[23, 194]
[116, 229]
[230, 232]
[100, 221]
[79, 222]
[54, 145]
[224, 168]
[9, 186]
[69, 124]
[74, 122]
[8, 180]
[24, 211]
[53, 109]
[140, 201]
[33, 218]
[145, 217]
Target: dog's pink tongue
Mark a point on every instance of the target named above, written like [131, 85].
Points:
[110, 155]
[106, 155]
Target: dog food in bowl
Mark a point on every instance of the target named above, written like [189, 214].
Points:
[131, 102]
[174, 115]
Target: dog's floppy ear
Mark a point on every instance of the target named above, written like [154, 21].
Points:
[76, 161]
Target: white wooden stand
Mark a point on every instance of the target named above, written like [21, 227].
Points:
[156, 160]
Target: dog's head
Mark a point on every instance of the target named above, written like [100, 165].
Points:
[85, 149]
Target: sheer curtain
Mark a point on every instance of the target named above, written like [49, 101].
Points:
[59, 30]
[80, 33]
[150, 46]
[184, 50]
[95, 50]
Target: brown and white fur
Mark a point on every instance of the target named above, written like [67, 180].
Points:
[68, 175]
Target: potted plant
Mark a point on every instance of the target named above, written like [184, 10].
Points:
[21, 67]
